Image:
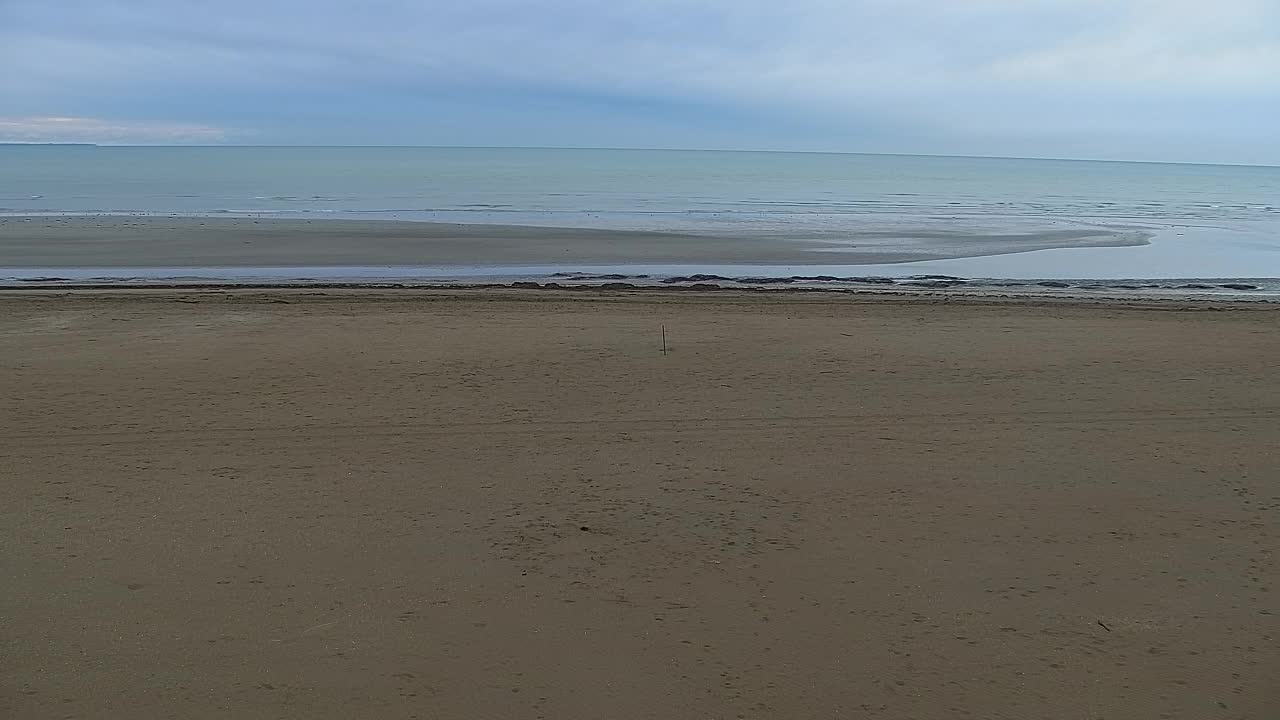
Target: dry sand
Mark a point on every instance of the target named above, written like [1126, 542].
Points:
[512, 505]
[157, 241]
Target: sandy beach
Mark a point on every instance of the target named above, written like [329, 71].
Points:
[159, 241]
[462, 504]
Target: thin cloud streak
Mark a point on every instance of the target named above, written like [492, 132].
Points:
[94, 130]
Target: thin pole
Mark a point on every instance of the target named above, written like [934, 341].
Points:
[664, 339]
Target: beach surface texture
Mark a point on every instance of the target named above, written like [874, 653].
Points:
[504, 503]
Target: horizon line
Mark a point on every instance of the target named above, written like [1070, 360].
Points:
[642, 149]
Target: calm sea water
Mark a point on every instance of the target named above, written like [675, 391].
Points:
[1233, 212]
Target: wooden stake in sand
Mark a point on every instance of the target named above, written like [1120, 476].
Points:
[664, 339]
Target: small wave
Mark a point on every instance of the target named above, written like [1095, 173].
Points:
[607, 276]
[296, 198]
[952, 281]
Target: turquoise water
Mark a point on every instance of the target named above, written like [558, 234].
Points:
[1227, 217]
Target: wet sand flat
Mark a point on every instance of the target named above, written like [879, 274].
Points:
[460, 504]
[160, 241]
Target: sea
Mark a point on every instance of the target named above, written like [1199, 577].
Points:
[1213, 223]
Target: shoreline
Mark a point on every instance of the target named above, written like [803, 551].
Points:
[172, 251]
[326, 293]
[1253, 290]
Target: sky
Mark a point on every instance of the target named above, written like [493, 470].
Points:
[1166, 80]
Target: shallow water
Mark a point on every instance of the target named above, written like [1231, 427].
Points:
[1204, 221]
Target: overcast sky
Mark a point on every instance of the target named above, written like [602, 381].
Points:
[1193, 80]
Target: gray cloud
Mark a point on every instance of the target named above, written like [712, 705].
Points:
[1152, 79]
